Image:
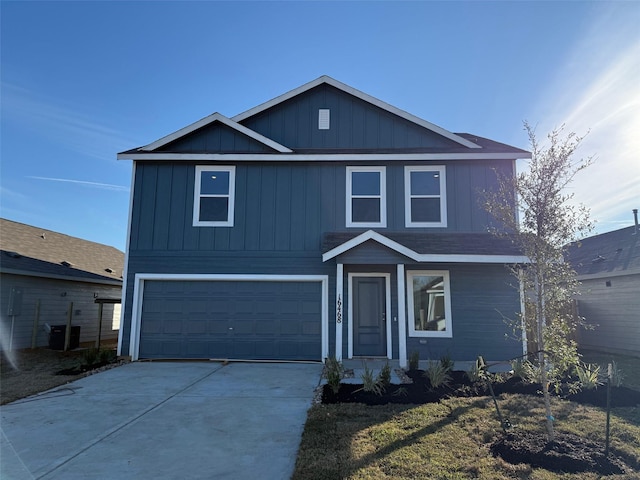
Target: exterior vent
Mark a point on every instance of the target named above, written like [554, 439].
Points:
[66, 264]
[324, 119]
[108, 270]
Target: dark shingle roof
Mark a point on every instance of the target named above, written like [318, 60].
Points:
[613, 252]
[437, 243]
[32, 250]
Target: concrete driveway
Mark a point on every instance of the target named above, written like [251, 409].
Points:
[163, 421]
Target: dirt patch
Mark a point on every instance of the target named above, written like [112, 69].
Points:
[28, 372]
[567, 453]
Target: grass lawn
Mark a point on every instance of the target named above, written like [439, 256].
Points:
[447, 440]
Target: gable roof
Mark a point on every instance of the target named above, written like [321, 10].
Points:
[33, 251]
[447, 146]
[430, 247]
[358, 94]
[213, 118]
[608, 254]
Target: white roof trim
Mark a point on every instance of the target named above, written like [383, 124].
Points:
[420, 257]
[323, 157]
[361, 95]
[215, 117]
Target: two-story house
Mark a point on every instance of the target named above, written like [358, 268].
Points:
[322, 222]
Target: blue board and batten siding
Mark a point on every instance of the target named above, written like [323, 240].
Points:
[284, 208]
[281, 212]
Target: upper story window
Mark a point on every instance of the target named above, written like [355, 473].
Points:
[366, 197]
[425, 202]
[214, 196]
[429, 303]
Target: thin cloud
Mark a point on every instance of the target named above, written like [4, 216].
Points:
[62, 124]
[597, 94]
[85, 183]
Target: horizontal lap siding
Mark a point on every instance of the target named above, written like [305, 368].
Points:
[614, 312]
[55, 297]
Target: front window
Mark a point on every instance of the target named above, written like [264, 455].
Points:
[366, 197]
[214, 196]
[429, 304]
[425, 197]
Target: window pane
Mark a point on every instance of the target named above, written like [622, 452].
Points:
[214, 209]
[214, 183]
[365, 210]
[365, 183]
[425, 209]
[428, 303]
[425, 183]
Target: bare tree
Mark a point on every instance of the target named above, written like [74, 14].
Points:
[549, 222]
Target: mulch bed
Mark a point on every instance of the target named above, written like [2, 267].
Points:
[568, 453]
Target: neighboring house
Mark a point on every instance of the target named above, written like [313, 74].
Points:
[608, 266]
[42, 272]
[323, 222]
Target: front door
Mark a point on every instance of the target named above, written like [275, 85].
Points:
[369, 317]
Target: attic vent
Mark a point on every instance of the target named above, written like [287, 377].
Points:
[108, 270]
[66, 264]
[599, 258]
[324, 119]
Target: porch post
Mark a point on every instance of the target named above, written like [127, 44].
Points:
[339, 304]
[402, 319]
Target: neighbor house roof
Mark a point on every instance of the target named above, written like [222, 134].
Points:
[33, 251]
[608, 254]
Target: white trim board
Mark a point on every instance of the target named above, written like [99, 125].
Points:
[215, 117]
[387, 295]
[319, 157]
[362, 96]
[138, 296]
[420, 257]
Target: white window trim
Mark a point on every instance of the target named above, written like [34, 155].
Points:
[448, 333]
[383, 197]
[196, 196]
[407, 196]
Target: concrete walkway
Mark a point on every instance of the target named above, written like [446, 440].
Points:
[162, 421]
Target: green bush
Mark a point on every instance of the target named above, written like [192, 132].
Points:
[437, 374]
[384, 377]
[334, 372]
[91, 356]
[414, 361]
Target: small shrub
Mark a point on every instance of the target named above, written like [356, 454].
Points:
[401, 392]
[90, 356]
[334, 372]
[526, 371]
[617, 375]
[588, 376]
[437, 374]
[370, 382]
[106, 356]
[384, 377]
[446, 362]
[476, 373]
[414, 361]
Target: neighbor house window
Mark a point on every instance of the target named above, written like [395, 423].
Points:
[429, 303]
[425, 202]
[214, 196]
[366, 197]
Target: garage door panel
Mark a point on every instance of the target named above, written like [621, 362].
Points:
[240, 319]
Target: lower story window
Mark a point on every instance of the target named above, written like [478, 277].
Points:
[429, 303]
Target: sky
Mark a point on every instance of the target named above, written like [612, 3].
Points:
[82, 81]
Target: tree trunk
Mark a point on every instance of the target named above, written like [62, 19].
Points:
[542, 361]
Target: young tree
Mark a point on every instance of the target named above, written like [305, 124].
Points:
[550, 221]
